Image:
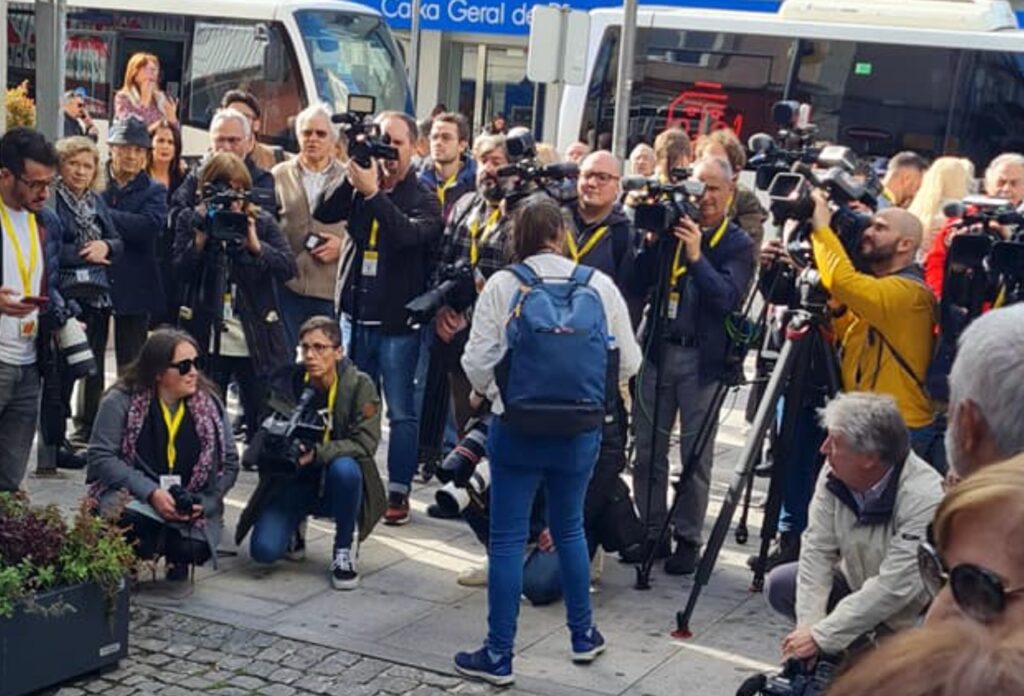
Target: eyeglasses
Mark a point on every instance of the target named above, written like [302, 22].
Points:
[600, 177]
[317, 132]
[977, 591]
[316, 348]
[184, 366]
[38, 186]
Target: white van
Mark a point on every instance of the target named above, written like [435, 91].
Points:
[877, 88]
[287, 53]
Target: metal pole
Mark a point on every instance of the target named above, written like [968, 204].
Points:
[624, 79]
[51, 18]
[414, 58]
[3, 64]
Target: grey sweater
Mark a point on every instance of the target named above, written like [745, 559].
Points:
[108, 468]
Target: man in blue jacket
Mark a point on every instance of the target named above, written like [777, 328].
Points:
[138, 206]
[711, 265]
[449, 172]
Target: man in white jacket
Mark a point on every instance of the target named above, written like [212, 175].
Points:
[872, 504]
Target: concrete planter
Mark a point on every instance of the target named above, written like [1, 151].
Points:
[83, 634]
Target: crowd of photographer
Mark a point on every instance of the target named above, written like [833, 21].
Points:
[394, 284]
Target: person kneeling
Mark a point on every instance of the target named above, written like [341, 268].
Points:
[336, 477]
[857, 572]
[162, 435]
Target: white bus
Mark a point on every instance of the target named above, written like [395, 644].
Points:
[878, 89]
[288, 53]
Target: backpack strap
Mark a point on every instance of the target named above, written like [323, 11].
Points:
[581, 275]
[524, 273]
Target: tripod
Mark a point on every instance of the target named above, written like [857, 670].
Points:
[807, 343]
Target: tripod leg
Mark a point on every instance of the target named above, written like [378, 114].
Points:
[791, 353]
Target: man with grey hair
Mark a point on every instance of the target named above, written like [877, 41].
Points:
[712, 262]
[986, 390]
[317, 246]
[1004, 178]
[857, 572]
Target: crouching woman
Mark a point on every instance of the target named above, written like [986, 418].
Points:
[162, 437]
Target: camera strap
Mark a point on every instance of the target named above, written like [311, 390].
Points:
[332, 396]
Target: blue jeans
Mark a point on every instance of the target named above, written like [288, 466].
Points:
[391, 361]
[519, 465]
[928, 442]
[801, 469]
[542, 579]
[343, 494]
[296, 309]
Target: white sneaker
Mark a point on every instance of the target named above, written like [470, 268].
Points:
[474, 576]
[343, 571]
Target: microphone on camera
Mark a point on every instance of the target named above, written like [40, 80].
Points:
[637, 183]
[760, 142]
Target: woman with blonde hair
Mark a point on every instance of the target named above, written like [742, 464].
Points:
[948, 179]
[140, 96]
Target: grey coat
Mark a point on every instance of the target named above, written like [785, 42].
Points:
[115, 475]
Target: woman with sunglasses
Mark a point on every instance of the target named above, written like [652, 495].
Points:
[972, 563]
[162, 436]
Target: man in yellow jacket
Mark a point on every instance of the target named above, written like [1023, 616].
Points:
[884, 323]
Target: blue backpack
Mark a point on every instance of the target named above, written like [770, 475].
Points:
[552, 377]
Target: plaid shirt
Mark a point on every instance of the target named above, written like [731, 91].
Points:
[471, 218]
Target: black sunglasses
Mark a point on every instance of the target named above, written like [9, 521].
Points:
[977, 591]
[185, 366]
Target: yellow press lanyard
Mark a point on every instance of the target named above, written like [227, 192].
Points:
[578, 253]
[173, 424]
[443, 189]
[26, 273]
[679, 265]
[332, 396]
[374, 229]
[474, 230]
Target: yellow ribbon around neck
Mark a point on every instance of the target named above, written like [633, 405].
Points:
[578, 253]
[332, 396]
[474, 229]
[443, 188]
[173, 424]
[25, 271]
[374, 229]
[679, 267]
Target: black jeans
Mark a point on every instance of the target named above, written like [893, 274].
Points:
[151, 539]
[97, 326]
[130, 334]
[252, 390]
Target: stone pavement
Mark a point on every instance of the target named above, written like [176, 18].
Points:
[409, 616]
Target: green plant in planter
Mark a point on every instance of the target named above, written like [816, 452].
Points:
[39, 551]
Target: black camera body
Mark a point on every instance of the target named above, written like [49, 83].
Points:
[223, 224]
[794, 680]
[674, 201]
[283, 440]
[527, 176]
[365, 142]
[465, 474]
[456, 287]
[183, 500]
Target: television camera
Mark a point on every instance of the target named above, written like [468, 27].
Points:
[672, 201]
[284, 439]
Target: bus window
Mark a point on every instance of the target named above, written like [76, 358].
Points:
[879, 98]
[699, 81]
[253, 56]
[352, 53]
[989, 107]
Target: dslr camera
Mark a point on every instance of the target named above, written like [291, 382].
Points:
[455, 287]
[183, 500]
[668, 202]
[794, 680]
[466, 478]
[284, 439]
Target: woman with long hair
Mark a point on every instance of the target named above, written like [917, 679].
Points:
[521, 463]
[163, 436]
[89, 243]
[165, 166]
[948, 179]
[140, 96]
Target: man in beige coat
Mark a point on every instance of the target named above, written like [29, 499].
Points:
[317, 247]
[857, 571]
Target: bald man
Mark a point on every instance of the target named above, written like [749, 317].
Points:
[885, 328]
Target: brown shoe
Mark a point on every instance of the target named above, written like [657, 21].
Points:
[397, 513]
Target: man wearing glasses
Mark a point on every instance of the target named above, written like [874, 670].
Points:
[336, 478]
[29, 252]
[857, 574]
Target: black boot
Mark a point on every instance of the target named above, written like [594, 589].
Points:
[786, 549]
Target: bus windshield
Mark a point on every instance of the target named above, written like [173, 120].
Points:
[353, 53]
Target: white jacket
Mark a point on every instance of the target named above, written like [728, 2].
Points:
[878, 560]
[487, 340]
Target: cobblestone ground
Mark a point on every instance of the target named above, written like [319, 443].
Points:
[174, 655]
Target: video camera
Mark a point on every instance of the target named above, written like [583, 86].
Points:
[526, 176]
[793, 143]
[365, 142]
[674, 200]
[794, 680]
[982, 261]
[456, 287]
[283, 440]
[223, 224]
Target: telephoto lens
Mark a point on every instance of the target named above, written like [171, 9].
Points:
[74, 350]
[460, 463]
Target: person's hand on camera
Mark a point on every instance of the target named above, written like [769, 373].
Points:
[252, 242]
[774, 251]
[689, 233]
[449, 323]
[11, 304]
[822, 217]
[477, 402]
[96, 252]
[163, 503]
[329, 251]
[800, 644]
[364, 179]
[306, 458]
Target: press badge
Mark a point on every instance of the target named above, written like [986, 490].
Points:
[229, 309]
[82, 275]
[28, 328]
[673, 305]
[370, 264]
[167, 481]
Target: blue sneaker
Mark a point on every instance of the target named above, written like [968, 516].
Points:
[480, 666]
[587, 646]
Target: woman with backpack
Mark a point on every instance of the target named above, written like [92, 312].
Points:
[542, 365]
